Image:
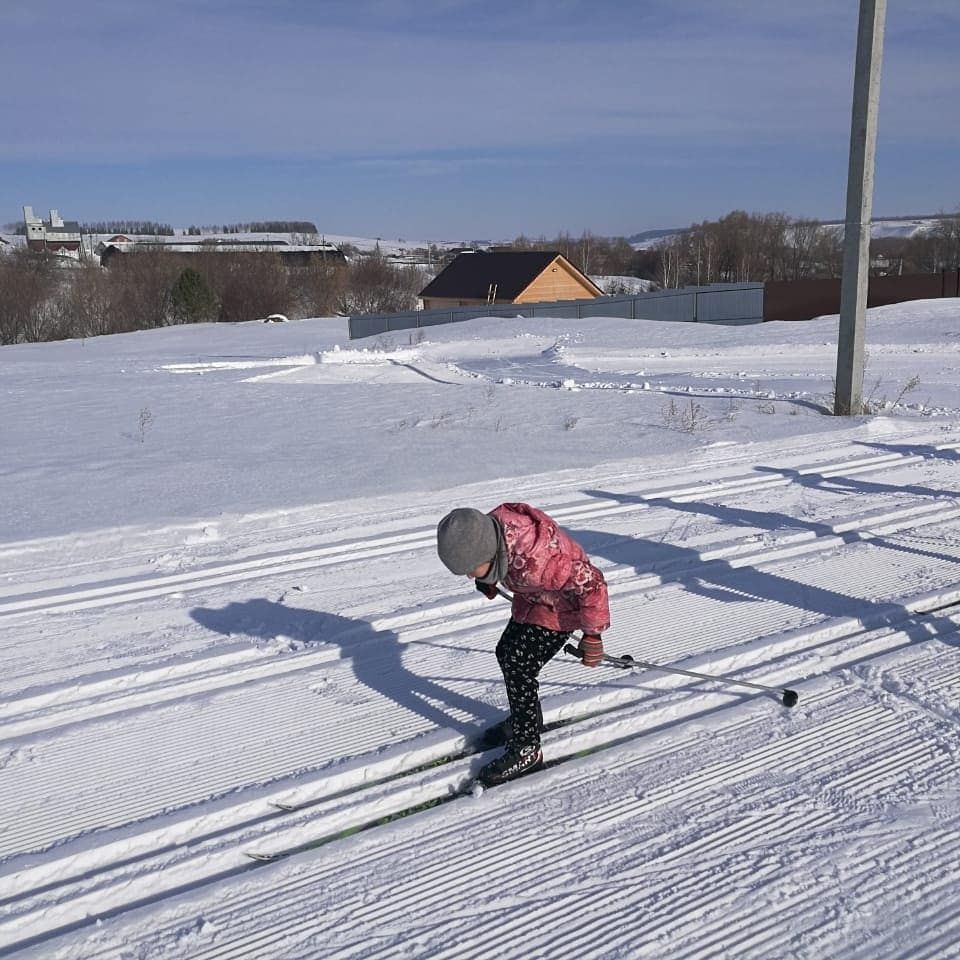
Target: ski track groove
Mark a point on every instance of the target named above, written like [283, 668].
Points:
[878, 725]
[310, 928]
[917, 760]
[224, 780]
[222, 783]
[694, 893]
[357, 550]
[210, 674]
[903, 895]
[798, 905]
[459, 865]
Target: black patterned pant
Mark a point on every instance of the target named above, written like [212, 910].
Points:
[522, 651]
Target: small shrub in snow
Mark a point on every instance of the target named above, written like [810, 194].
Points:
[686, 418]
[874, 404]
[146, 418]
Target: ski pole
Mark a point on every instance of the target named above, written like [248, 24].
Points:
[788, 698]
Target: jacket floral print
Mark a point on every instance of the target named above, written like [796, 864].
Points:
[553, 582]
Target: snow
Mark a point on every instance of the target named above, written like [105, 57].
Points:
[616, 285]
[225, 634]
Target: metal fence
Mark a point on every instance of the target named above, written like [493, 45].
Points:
[805, 299]
[726, 303]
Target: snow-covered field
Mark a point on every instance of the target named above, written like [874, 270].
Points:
[225, 634]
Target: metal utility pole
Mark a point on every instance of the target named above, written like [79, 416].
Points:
[856, 239]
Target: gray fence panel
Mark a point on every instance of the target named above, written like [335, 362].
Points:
[608, 307]
[675, 309]
[716, 303]
[360, 327]
[402, 321]
[430, 318]
[562, 310]
[744, 305]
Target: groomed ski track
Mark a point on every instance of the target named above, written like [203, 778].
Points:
[292, 679]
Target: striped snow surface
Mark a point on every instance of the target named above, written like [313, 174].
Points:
[54, 594]
[69, 560]
[51, 634]
[751, 575]
[262, 729]
[118, 693]
[713, 839]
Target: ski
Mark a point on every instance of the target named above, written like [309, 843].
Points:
[490, 738]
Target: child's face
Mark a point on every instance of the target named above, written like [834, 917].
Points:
[480, 571]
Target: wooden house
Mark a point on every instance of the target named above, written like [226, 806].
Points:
[515, 276]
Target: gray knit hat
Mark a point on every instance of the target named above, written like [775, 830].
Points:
[466, 538]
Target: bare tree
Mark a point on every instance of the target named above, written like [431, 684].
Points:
[249, 286]
[373, 285]
[143, 281]
[28, 281]
[319, 287]
[85, 305]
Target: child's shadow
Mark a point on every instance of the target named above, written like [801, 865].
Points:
[375, 655]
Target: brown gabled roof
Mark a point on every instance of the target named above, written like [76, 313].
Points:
[470, 275]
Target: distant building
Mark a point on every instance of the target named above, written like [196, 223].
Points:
[55, 235]
[297, 255]
[516, 276]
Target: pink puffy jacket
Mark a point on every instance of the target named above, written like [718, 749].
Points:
[554, 584]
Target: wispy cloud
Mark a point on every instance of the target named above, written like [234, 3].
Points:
[430, 88]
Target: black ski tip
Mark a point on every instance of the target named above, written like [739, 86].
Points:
[790, 698]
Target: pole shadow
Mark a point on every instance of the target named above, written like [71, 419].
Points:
[719, 580]
[839, 484]
[927, 451]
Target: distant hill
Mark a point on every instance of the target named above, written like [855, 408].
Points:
[647, 235]
[880, 227]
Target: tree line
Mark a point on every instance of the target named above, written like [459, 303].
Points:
[255, 226]
[152, 228]
[589, 253]
[756, 247]
[45, 298]
[142, 227]
[741, 247]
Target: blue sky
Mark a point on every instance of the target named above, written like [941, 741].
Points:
[460, 119]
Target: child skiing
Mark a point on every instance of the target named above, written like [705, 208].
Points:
[556, 590]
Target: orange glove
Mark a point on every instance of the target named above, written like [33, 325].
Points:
[591, 649]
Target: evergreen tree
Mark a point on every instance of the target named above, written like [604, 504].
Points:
[193, 300]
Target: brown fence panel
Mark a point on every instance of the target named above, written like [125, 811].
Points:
[915, 286]
[805, 299]
[800, 299]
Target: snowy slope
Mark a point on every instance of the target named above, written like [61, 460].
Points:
[225, 634]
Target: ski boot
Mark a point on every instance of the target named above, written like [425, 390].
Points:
[517, 761]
